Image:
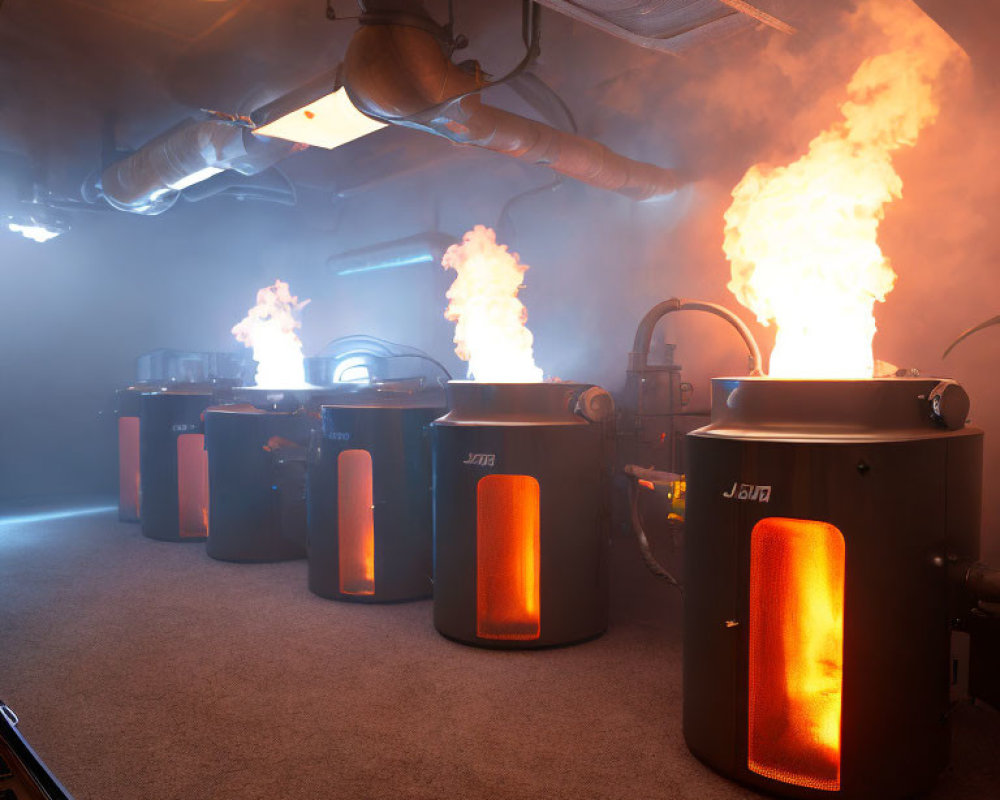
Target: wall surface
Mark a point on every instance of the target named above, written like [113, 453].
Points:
[79, 310]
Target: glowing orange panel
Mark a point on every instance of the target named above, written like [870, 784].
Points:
[508, 558]
[128, 467]
[796, 651]
[192, 485]
[356, 522]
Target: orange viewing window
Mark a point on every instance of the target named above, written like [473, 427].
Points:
[355, 522]
[796, 651]
[128, 467]
[192, 485]
[508, 558]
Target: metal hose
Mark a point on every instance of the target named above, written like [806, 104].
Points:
[645, 550]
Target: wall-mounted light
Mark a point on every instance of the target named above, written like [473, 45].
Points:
[39, 226]
[423, 248]
[319, 113]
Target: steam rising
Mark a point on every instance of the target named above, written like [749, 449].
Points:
[802, 239]
[489, 319]
[269, 328]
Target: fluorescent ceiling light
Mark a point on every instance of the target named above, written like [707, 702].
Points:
[391, 263]
[423, 248]
[319, 113]
[328, 122]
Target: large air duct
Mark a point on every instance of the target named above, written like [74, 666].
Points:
[150, 180]
[397, 70]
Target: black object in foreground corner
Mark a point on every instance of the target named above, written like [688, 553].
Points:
[23, 775]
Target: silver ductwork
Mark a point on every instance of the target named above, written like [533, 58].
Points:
[150, 180]
[398, 71]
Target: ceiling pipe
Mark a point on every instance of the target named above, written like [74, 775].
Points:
[150, 180]
[399, 72]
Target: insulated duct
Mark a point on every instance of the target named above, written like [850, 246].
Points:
[397, 71]
[150, 180]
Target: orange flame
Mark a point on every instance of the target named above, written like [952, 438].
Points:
[269, 328]
[802, 239]
[489, 319]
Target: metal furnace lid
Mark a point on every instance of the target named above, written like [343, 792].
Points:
[474, 403]
[871, 409]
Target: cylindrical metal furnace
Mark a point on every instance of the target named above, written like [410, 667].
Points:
[521, 513]
[173, 464]
[370, 527]
[256, 463]
[821, 517]
[162, 371]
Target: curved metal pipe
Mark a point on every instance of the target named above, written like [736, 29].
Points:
[972, 330]
[150, 180]
[571, 155]
[401, 75]
[644, 333]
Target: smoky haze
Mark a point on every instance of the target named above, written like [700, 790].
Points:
[81, 308]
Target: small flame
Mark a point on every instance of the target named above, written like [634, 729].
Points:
[489, 319]
[269, 328]
[802, 239]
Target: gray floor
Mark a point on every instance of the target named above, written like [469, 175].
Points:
[147, 670]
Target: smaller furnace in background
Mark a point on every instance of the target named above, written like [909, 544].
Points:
[256, 469]
[173, 464]
[521, 513]
[369, 500]
[162, 371]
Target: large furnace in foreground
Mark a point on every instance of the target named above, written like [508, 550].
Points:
[822, 517]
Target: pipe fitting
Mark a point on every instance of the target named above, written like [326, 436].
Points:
[401, 74]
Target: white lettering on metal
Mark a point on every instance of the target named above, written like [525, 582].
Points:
[749, 492]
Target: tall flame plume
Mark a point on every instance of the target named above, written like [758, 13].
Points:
[490, 331]
[269, 328]
[802, 239]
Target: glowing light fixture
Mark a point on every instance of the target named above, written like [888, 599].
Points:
[37, 233]
[37, 224]
[424, 248]
[195, 177]
[318, 114]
